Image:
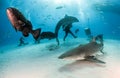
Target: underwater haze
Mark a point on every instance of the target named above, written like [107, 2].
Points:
[25, 57]
[102, 16]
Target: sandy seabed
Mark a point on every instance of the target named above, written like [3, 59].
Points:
[37, 61]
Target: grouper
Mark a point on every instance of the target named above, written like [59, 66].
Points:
[20, 23]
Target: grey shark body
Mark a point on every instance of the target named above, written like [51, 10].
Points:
[83, 51]
[47, 35]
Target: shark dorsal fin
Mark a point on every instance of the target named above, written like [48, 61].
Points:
[66, 15]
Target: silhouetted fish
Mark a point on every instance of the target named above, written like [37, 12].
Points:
[59, 7]
[64, 21]
[47, 35]
[108, 7]
[20, 23]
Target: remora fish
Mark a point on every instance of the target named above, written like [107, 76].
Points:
[64, 21]
[86, 51]
[20, 23]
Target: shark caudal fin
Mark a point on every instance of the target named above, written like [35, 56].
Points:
[36, 33]
[58, 43]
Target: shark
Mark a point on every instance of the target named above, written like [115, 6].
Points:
[64, 21]
[84, 52]
[108, 7]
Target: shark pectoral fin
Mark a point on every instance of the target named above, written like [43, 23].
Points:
[93, 59]
[102, 51]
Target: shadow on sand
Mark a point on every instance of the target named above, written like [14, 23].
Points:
[80, 64]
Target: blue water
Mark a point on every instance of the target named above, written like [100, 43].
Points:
[101, 16]
[46, 13]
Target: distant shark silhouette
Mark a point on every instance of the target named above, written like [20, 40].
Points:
[64, 21]
[47, 35]
[108, 7]
[20, 23]
[85, 52]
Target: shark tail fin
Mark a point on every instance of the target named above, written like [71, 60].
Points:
[57, 41]
[99, 38]
[36, 33]
[65, 16]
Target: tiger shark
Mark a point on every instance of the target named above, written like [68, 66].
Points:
[86, 52]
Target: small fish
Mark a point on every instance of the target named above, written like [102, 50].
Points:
[59, 7]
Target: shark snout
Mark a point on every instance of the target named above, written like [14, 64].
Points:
[61, 57]
[65, 55]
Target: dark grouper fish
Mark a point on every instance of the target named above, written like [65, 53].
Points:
[20, 23]
[86, 52]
